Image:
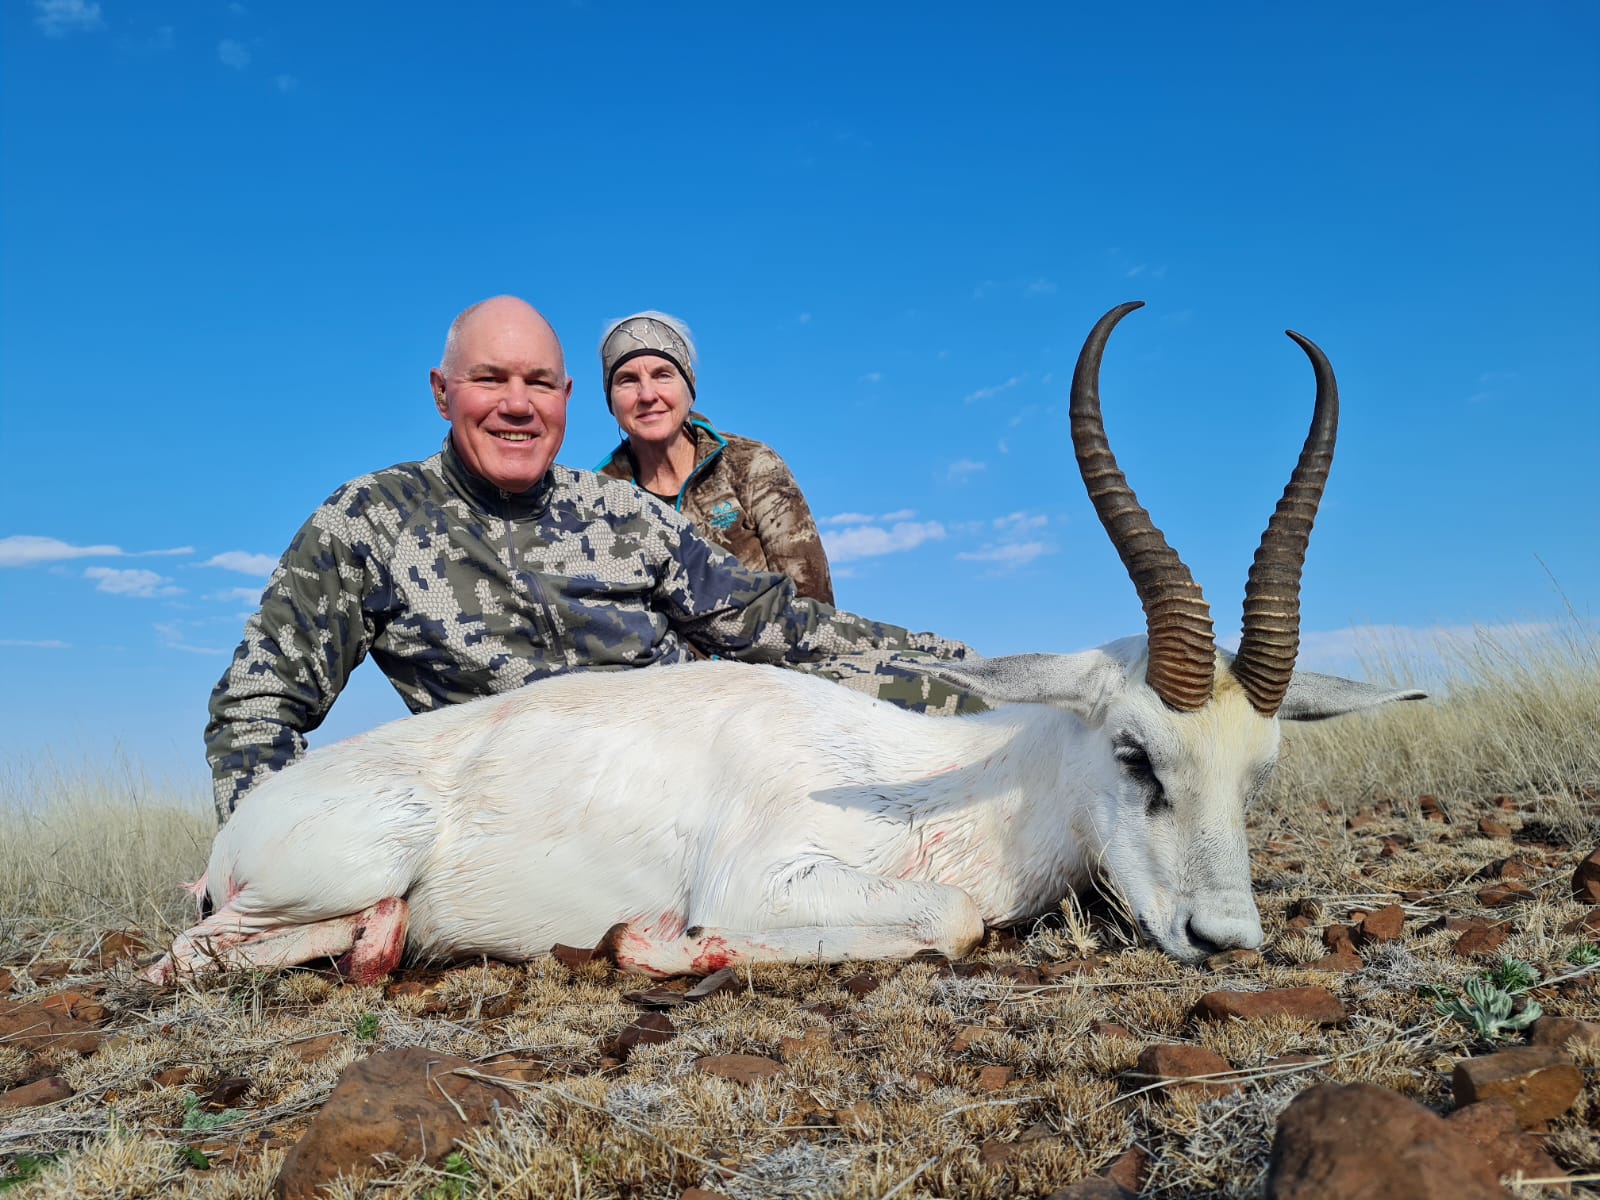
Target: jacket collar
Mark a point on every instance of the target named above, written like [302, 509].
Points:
[485, 497]
[708, 443]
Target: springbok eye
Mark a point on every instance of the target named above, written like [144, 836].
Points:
[1133, 759]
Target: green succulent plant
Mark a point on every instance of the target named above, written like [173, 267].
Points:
[1487, 1010]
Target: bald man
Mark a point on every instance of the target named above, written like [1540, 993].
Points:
[487, 566]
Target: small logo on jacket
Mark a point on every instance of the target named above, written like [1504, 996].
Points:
[722, 514]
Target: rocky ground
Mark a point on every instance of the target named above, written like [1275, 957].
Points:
[1386, 1041]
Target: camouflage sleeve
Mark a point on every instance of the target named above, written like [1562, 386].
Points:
[783, 521]
[296, 656]
[722, 607]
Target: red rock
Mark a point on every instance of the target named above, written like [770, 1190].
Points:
[1339, 937]
[49, 972]
[118, 945]
[1360, 819]
[856, 1120]
[697, 1193]
[7, 981]
[1558, 1031]
[1586, 924]
[1586, 879]
[31, 1095]
[172, 1077]
[652, 1029]
[965, 1037]
[1298, 923]
[1164, 1061]
[995, 1155]
[1307, 907]
[572, 957]
[36, 1027]
[740, 1068]
[225, 1093]
[1129, 1169]
[1490, 828]
[523, 1070]
[1360, 1142]
[1504, 802]
[1482, 938]
[1096, 1187]
[1109, 1029]
[1431, 809]
[316, 1048]
[1343, 959]
[1539, 1082]
[811, 1042]
[1491, 1126]
[993, 1078]
[1498, 895]
[1508, 868]
[408, 1103]
[714, 984]
[1314, 1004]
[860, 985]
[1383, 924]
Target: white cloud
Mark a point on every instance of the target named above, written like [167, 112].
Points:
[60, 17]
[871, 541]
[872, 377]
[1040, 287]
[46, 644]
[1015, 523]
[242, 561]
[961, 469]
[987, 393]
[238, 595]
[171, 637]
[1008, 555]
[26, 550]
[233, 54]
[853, 518]
[130, 582]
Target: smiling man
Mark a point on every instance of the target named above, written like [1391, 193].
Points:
[487, 566]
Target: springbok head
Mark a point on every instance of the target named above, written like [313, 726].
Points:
[1187, 735]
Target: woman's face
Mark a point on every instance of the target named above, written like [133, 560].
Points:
[650, 399]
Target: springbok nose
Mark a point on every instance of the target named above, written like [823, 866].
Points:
[1212, 933]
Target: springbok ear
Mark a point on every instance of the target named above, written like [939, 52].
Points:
[1313, 697]
[1081, 683]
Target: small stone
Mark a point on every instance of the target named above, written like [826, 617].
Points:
[1558, 1031]
[172, 1077]
[1237, 957]
[409, 1103]
[7, 981]
[1498, 895]
[572, 957]
[813, 1041]
[1483, 938]
[1360, 819]
[225, 1092]
[857, 1120]
[1539, 1082]
[1165, 1061]
[1507, 868]
[1586, 880]
[315, 1049]
[1316, 1005]
[31, 1095]
[1431, 809]
[1490, 828]
[860, 985]
[993, 1078]
[652, 1029]
[1339, 937]
[995, 1155]
[1307, 907]
[1491, 1126]
[724, 980]
[1109, 1029]
[522, 1070]
[119, 944]
[37, 1027]
[1504, 802]
[698, 1193]
[656, 997]
[1589, 923]
[1358, 1140]
[965, 1037]
[1383, 924]
[1129, 1169]
[1345, 960]
[739, 1068]
[1096, 1187]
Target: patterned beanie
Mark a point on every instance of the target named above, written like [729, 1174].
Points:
[647, 333]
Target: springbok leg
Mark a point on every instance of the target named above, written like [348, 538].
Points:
[867, 917]
[230, 939]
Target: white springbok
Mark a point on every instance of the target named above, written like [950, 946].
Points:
[717, 813]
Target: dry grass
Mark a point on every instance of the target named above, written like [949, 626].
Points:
[885, 1101]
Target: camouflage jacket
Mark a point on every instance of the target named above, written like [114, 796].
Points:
[459, 590]
[742, 496]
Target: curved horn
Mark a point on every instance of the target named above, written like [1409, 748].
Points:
[1271, 637]
[1182, 645]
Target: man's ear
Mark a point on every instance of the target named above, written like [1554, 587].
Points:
[436, 382]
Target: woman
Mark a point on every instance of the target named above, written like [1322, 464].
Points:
[738, 492]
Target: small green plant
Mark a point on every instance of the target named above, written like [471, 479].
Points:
[1486, 1010]
[457, 1182]
[25, 1168]
[197, 1120]
[1586, 954]
[366, 1027]
[193, 1156]
[1512, 975]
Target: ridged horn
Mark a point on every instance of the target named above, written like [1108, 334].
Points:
[1182, 645]
[1271, 637]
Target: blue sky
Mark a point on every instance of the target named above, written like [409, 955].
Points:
[233, 236]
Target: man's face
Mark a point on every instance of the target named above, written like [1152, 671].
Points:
[650, 399]
[505, 395]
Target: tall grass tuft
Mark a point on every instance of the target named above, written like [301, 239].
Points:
[1514, 715]
[93, 847]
